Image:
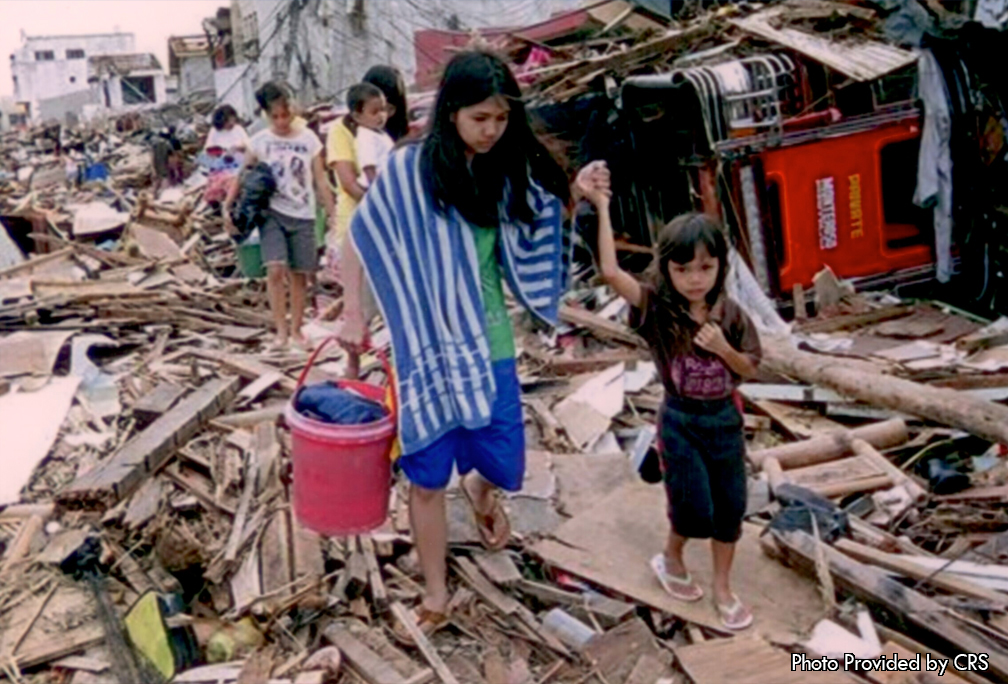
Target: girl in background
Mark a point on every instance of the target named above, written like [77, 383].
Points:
[294, 155]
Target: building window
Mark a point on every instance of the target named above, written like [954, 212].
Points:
[75, 54]
[73, 79]
[137, 90]
[45, 56]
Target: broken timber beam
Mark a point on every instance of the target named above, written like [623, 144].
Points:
[601, 327]
[244, 366]
[121, 474]
[833, 445]
[874, 587]
[980, 417]
[947, 581]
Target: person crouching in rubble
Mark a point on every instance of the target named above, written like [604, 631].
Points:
[479, 200]
[288, 237]
[703, 344]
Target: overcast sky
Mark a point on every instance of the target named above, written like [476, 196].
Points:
[152, 21]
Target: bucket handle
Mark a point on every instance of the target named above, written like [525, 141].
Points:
[382, 357]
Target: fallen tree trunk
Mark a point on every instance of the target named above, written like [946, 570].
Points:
[982, 418]
[832, 445]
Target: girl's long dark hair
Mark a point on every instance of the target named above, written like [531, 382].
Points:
[471, 78]
[390, 81]
[678, 242]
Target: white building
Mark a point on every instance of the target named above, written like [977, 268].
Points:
[127, 81]
[52, 67]
[322, 47]
[59, 77]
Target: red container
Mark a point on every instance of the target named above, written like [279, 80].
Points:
[828, 195]
[342, 473]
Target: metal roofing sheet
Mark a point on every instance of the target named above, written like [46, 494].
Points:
[862, 60]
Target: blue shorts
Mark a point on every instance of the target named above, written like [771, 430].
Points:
[497, 451]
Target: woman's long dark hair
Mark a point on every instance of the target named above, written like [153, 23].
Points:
[678, 242]
[471, 78]
[391, 82]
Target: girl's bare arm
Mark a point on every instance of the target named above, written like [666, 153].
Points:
[619, 280]
[348, 179]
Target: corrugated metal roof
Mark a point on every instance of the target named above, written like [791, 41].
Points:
[860, 59]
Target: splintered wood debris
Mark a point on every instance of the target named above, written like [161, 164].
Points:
[891, 412]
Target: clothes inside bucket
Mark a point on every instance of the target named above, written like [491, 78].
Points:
[329, 403]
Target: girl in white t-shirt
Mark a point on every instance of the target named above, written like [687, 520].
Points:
[227, 133]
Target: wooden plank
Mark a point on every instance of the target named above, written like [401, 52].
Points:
[851, 321]
[823, 474]
[70, 606]
[867, 451]
[378, 594]
[616, 653]
[499, 568]
[241, 514]
[609, 612]
[308, 558]
[611, 545]
[200, 486]
[956, 584]
[246, 584]
[746, 660]
[354, 578]
[121, 474]
[367, 664]
[158, 401]
[600, 327]
[797, 423]
[274, 554]
[145, 503]
[478, 582]
[258, 387]
[873, 586]
[21, 547]
[245, 366]
[430, 654]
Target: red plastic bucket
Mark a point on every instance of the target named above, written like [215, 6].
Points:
[342, 473]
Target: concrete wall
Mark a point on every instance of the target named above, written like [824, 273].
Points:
[195, 75]
[70, 104]
[232, 87]
[338, 48]
[42, 80]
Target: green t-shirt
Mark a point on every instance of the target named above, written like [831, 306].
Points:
[498, 323]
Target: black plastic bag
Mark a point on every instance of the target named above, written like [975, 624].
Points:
[799, 506]
[249, 212]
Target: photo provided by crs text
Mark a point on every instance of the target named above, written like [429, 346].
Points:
[963, 662]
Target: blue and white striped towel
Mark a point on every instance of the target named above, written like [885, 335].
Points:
[424, 271]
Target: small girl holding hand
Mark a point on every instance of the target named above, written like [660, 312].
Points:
[703, 344]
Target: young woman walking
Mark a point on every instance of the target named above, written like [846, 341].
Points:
[477, 202]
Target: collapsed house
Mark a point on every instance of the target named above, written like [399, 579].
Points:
[824, 133]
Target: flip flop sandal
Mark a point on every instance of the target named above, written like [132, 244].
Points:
[427, 620]
[679, 588]
[734, 616]
[497, 519]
